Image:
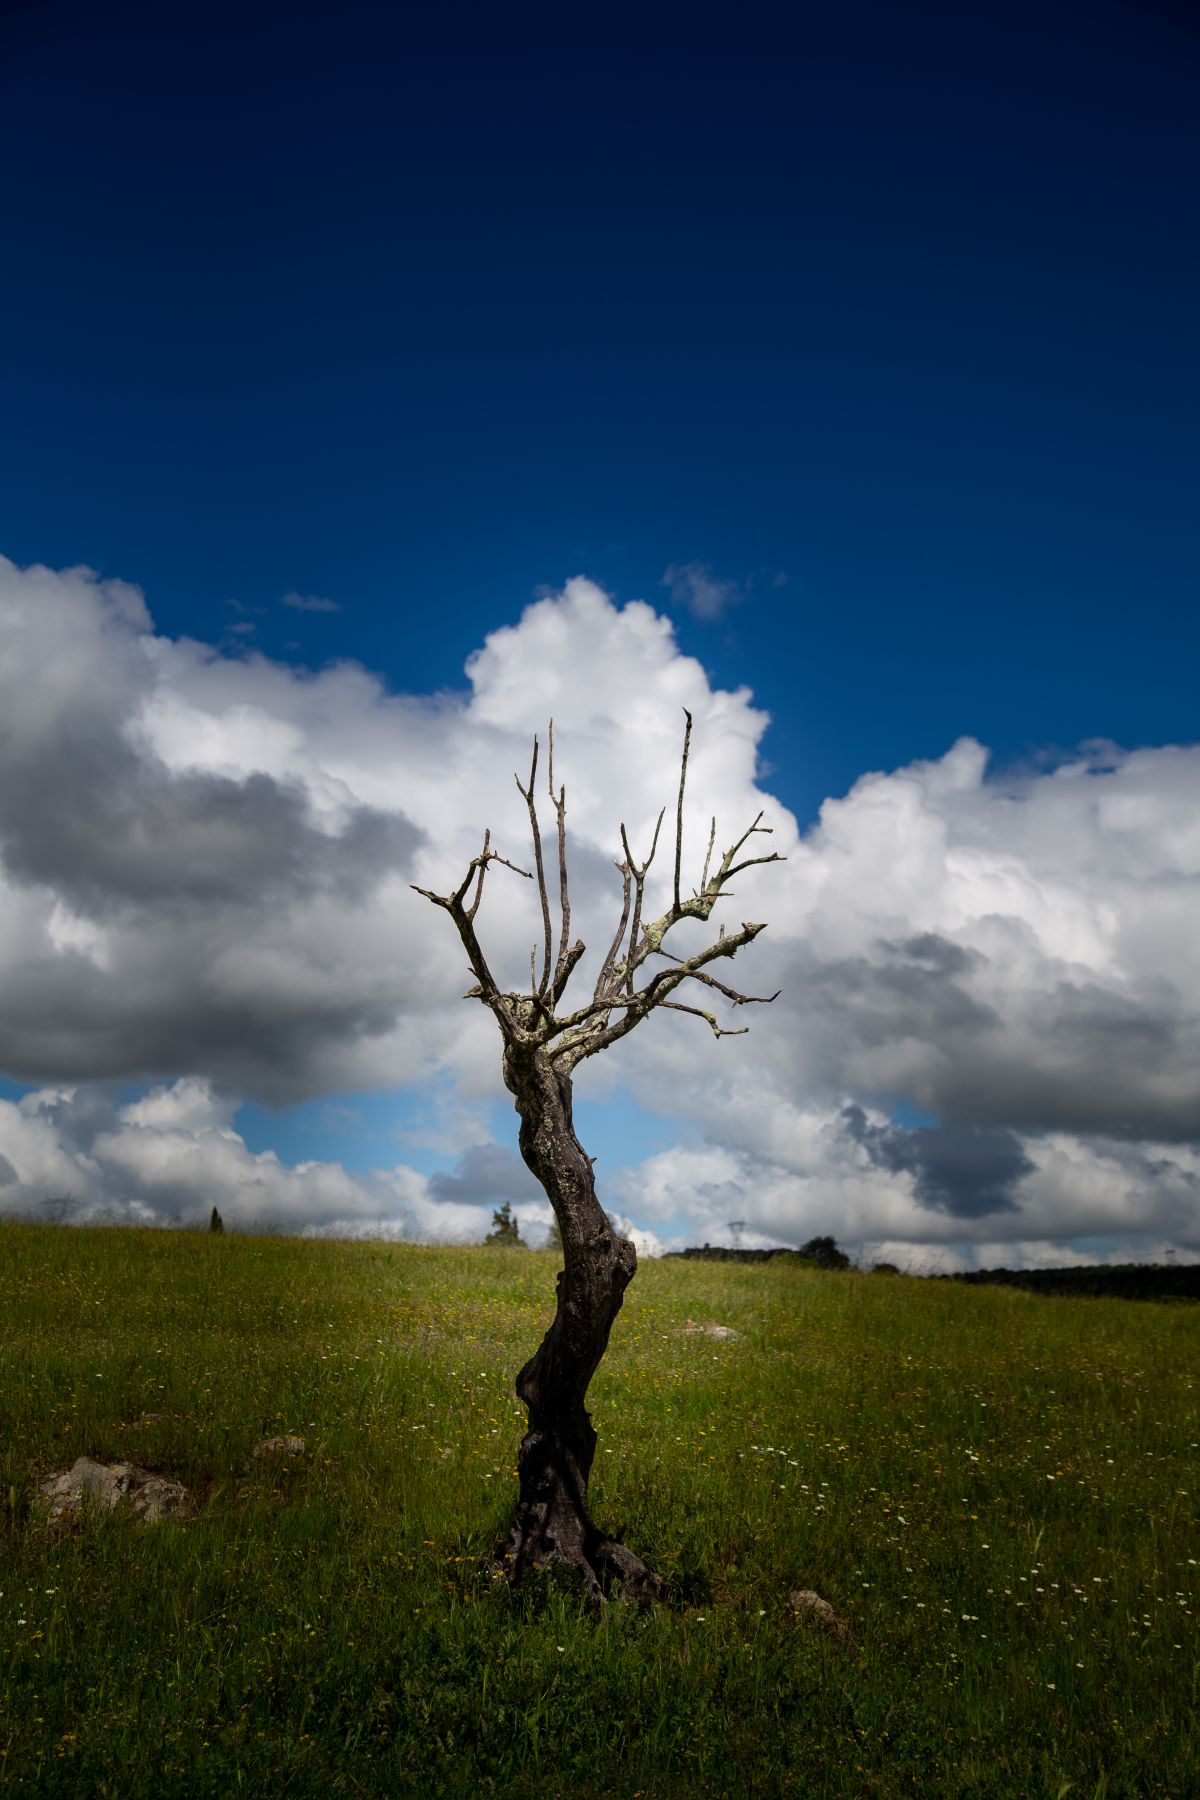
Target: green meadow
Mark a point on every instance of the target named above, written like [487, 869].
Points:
[997, 1491]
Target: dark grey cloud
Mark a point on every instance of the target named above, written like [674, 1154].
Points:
[177, 918]
[64, 1019]
[935, 954]
[912, 990]
[1082, 1060]
[959, 1169]
[909, 1019]
[105, 825]
[77, 1116]
[203, 881]
[486, 1175]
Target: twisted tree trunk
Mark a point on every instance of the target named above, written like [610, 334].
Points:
[543, 1043]
[552, 1522]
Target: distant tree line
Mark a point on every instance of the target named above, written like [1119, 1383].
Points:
[1117, 1281]
[820, 1252]
[1120, 1281]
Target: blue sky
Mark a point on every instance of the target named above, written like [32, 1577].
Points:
[862, 348]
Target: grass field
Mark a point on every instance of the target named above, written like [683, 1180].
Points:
[997, 1491]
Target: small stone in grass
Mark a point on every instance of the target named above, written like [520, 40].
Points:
[279, 1446]
[805, 1603]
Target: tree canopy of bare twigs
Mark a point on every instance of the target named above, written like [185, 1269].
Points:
[623, 994]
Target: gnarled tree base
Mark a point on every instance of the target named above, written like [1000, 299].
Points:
[552, 1526]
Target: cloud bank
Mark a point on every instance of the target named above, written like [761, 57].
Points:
[987, 1045]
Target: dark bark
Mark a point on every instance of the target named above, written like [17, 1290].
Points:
[552, 1522]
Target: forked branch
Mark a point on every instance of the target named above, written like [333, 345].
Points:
[718, 1030]
[639, 888]
[464, 920]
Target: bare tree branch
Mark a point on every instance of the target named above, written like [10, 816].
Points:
[727, 866]
[597, 1009]
[729, 993]
[712, 838]
[687, 738]
[464, 920]
[608, 968]
[567, 958]
[718, 1030]
[586, 1033]
[450, 901]
[483, 863]
[639, 888]
[750, 861]
[535, 829]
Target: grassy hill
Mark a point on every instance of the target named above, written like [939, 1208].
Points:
[997, 1491]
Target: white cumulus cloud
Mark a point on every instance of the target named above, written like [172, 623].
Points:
[988, 1028]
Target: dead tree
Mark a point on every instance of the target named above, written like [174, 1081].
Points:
[543, 1044]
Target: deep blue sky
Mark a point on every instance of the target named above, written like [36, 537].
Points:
[901, 302]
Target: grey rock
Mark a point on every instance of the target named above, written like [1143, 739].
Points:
[806, 1603]
[147, 1497]
[279, 1446]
